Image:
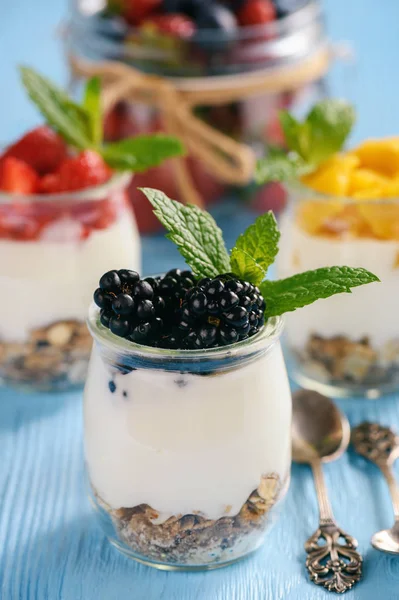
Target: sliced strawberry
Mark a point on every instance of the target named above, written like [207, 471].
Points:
[135, 11]
[17, 177]
[85, 170]
[173, 24]
[96, 214]
[40, 148]
[256, 12]
[49, 184]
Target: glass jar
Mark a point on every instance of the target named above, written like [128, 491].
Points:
[188, 452]
[345, 345]
[53, 250]
[296, 44]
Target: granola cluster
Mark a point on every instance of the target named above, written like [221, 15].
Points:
[53, 358]
[339, 359]
[193, 539]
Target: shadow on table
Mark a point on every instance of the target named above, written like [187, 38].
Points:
[19, 408]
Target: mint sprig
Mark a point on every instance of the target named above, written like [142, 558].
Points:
[286, 295]
[195, 233]
[310, 142]
[200, 241]
[256, 249]
[81, 125]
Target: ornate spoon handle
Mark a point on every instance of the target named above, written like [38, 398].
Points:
[333, 564]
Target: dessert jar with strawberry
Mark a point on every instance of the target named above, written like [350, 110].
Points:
[64, 217]
[187, 405]
[346, 210]
[213, 53]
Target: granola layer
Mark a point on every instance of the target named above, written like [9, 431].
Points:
[192, 539]
[54, 357]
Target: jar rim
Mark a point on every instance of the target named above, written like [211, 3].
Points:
[118, 180]
[269, 334]
[298, 186]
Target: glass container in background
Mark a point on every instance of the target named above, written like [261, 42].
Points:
[209, 58]
[53, 250]
[188, 452]
[345, 345]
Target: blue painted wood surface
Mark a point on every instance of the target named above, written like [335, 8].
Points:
[50, 548]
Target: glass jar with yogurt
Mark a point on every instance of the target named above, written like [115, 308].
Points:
[344, 345]
[188, 451]
[53, 248]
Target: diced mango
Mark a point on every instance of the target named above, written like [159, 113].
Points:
[379, 155]
[333, 176]
[382, 218]
[366, 180]
[313, 214]
[348, 222]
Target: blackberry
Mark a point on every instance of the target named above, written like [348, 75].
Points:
[220, 311]
[145, 311]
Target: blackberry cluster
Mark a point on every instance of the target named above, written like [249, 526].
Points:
[175, 311]
[220, 311]
[145, 311]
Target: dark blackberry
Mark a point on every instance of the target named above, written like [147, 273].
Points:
[220, 311]
[102, 299]
[141, 333]
[168, 285]
[104, 317]
[145, 310]
[110, 281]
[142, 289]
[123, 304]
[128, 277]
[120, 327]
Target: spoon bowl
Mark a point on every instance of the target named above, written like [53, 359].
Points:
[387, 540]
[319, 429]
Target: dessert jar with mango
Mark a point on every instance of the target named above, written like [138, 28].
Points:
[347, 211]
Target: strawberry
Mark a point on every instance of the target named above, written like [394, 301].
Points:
[256, 12]
[86, 169]
[49, 184]
[18, 177]
[40, 148]
[172, 24]
[271, 196]
[96, 214]
[135, 11]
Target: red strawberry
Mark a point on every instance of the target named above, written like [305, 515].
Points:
[40, 148]
[49, 184]
[18, 177]
[96, 214]
[135, 11]
[271, 196]
[85, 170]
[256, 12]
[172, 24]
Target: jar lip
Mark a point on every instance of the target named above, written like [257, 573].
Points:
[298, 186]
[118, 180]
[269, 334]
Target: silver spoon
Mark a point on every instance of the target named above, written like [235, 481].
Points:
[380, 445]
[321, 433]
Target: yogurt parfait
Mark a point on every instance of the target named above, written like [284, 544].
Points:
[64, 219]
[187, 400]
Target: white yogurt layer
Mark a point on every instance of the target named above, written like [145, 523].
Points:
[185, 443]
[44, 281]
[371, 310]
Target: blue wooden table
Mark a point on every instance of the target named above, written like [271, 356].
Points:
[50, 548]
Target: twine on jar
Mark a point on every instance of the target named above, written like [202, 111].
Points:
[228, 160]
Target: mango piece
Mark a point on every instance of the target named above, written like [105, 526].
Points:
[333, 176]
[313, 214]
[379, 155]
[366, 180]
[383, 219]
[348, 222]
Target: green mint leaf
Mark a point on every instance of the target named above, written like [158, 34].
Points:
[279, 167]
[297, 134]
[195, 233]
[142, 152]
[70, 120]
[260, 244]
[92, 104]
[245, 266]
[330, 122]
[286, 295]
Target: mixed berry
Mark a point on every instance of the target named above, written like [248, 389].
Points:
[176, 311]
[40, 163]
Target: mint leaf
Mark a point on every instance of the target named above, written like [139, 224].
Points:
[92, 104]
[245, 266]
[195, 233]
[286, 295]
[256, 249]
[142, 152]
[70, 120]
[282, 167]
[330, 122]
[296, 134]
